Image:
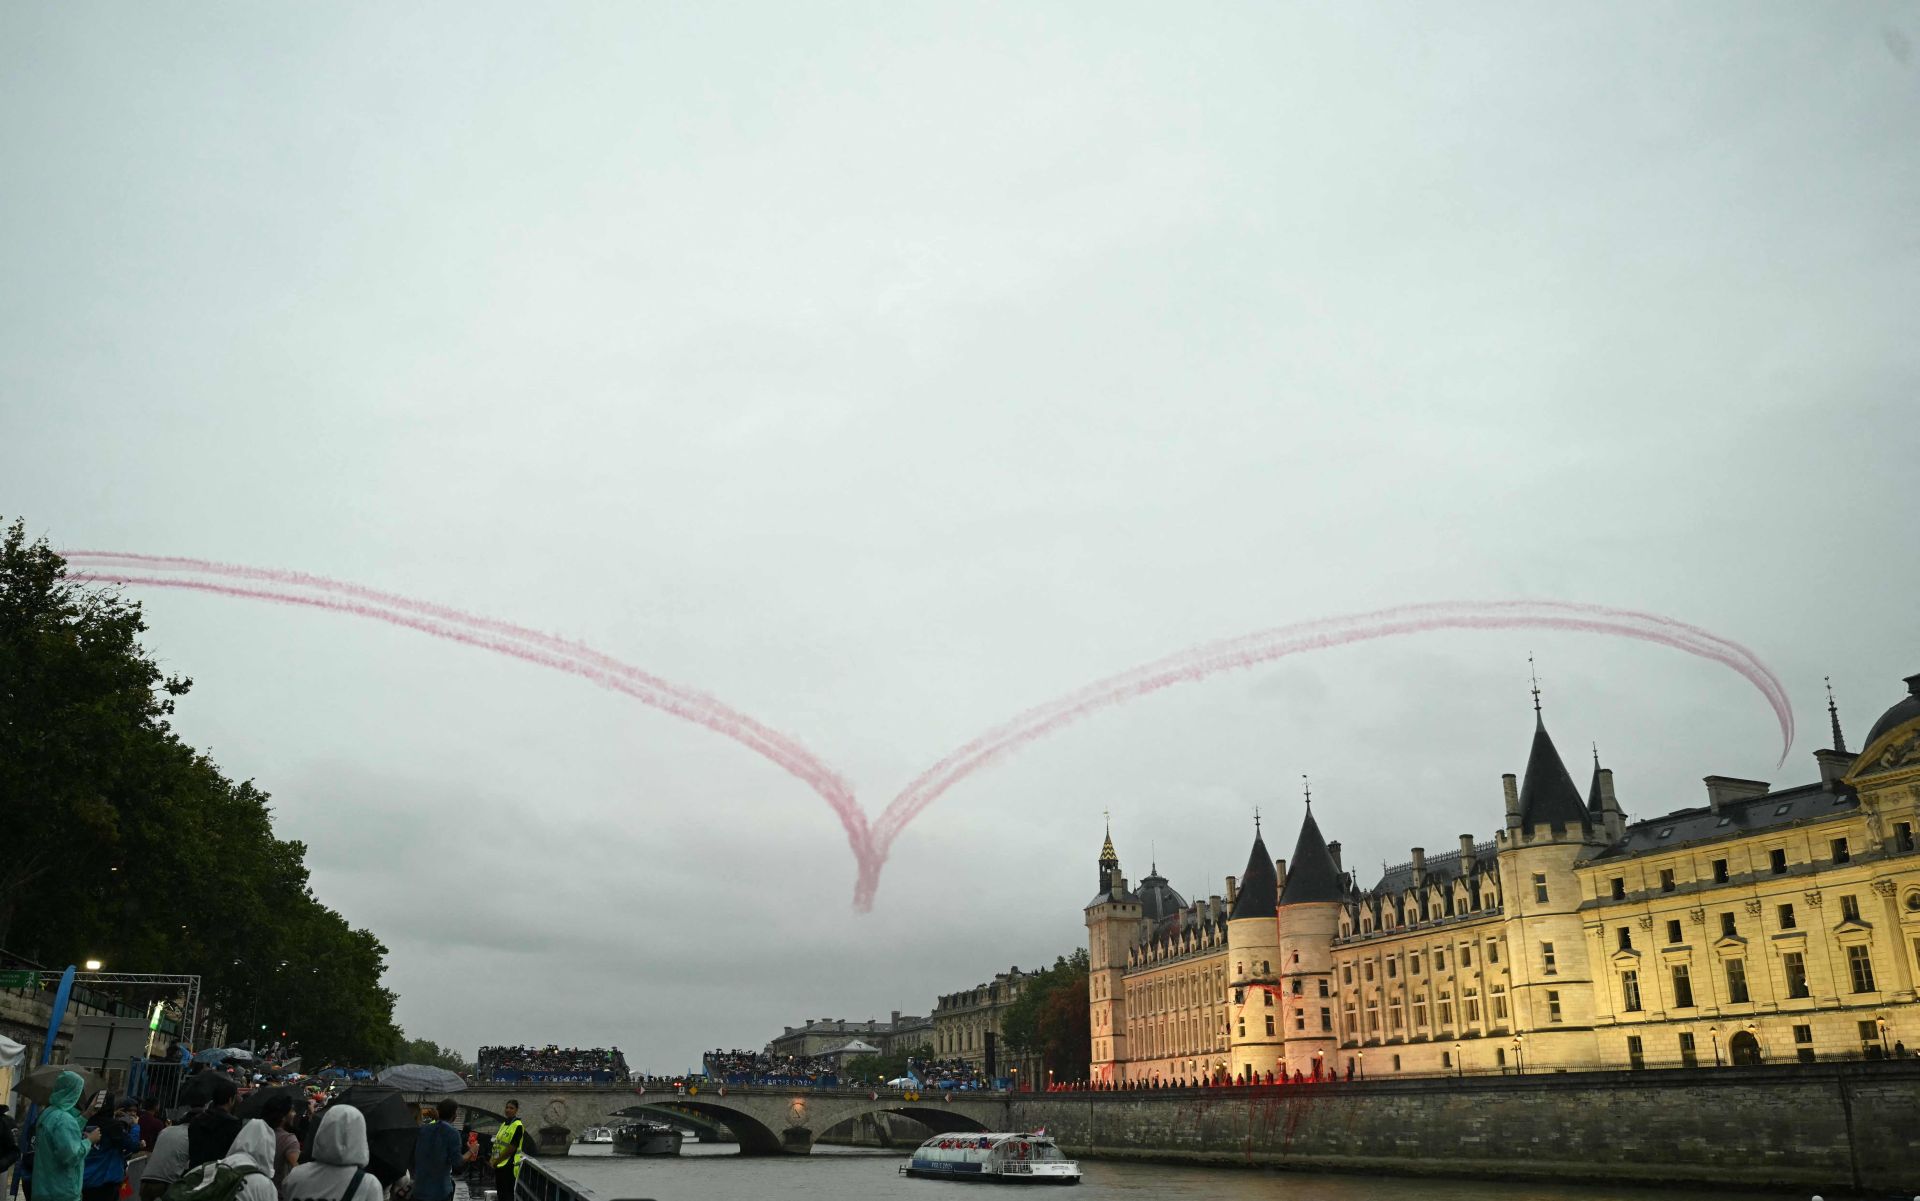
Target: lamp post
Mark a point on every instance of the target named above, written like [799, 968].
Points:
[1360, 1058]
[94, 965]
[1880, 1020]
[1713, 1032]
[1753, 1031]
[1519, 1056]
[1319, 1065]
[1459, 1064]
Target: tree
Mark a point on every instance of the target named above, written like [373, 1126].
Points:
[128, 845]
[881, 1068]
[425, 1050]
[1050, 1018]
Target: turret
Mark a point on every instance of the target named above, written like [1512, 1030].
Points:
[1113, 929]
[1309, 919]
[1253, 954]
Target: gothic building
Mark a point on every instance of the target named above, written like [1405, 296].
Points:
[1760, 926]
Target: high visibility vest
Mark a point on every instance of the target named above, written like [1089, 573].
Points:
[507, 1144]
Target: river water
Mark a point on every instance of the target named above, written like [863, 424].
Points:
[716, 1172]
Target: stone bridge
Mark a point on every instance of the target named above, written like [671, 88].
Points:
[767, 1121]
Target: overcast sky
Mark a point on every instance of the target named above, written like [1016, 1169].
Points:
[886, 369]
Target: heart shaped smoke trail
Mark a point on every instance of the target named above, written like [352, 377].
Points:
[871, 842]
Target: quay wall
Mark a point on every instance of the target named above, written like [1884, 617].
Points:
[1838, 1127]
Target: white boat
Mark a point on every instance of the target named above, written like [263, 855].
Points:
[1000, 1158]
[597, 1134]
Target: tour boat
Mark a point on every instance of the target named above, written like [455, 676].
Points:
[597, 1134]
[1001, 1158]
[647, 1138]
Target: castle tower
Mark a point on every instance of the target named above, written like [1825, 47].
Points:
[1253, 958]
[1113, 927]
[1309, 920]
[1603, 808]
[1549, 828]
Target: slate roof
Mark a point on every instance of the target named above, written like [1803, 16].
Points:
[1904, 711]
[1547, 794]
[1735, 819]
[1116, 894]
[1441, 868]
[1259, 888]
[1312, 875]
[1157, 898]
[1596, 804]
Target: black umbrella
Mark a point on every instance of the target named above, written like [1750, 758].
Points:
[37, 1085]
[391, 1129]
[255, 1101]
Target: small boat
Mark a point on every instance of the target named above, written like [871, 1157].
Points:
[596, 1134]
[646, 1138]
[1001, 1158]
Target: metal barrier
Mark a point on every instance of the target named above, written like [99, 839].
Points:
[537, 1182]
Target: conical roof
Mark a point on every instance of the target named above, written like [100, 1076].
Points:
[1596, 804]
[1259, 888]
[1547, 794]
[1312, 875]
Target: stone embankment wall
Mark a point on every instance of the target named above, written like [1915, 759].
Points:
[1842, 1126]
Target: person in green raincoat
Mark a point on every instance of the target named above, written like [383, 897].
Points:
[61, 1143]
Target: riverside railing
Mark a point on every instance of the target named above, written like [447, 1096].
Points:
[537, 1182]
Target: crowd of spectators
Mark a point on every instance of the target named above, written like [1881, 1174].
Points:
[551, 1063]
[949, 1073]
[758, 1067]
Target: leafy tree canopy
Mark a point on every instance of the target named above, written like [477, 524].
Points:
[425, 1050]
[1050, 1018]
[127, 845]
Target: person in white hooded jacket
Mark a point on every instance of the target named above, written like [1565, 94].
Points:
[253, 1149]
[339, 1151]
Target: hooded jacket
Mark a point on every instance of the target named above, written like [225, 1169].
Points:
[253, 1148]
[59, 1147]
[339, 1150]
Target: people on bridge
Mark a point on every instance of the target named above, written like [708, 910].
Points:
[550, 1063]
[507, 1144]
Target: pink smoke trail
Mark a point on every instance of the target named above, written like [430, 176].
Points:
[871, 842]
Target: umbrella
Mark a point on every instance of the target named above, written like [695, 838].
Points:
[391, 1129]
[422, 1078]
[902, 1082]
[211, 1055]
[37, 1085]
[255, 1101]
[239, 1053]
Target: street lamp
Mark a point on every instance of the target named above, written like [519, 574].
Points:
[1459, 1064]
[1519, 1056]
[1360, 1057]
[1880, 1020]
[94, 965]
[1713, 1032]
[1319, 1065]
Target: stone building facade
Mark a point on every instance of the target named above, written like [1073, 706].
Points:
[966, 1023]
[819, 1036]
[1760, 926]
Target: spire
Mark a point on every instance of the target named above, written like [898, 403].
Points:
[1547, 794]
[1833, 713]
[1306, 786]
[1536, 682]
[1259, 886]
[1312, 875]
[1596, 803]
[1109, 861]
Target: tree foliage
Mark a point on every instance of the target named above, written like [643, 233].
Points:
[1050, 1018]
[129, 846]
[878, 1069]
[425, 1050]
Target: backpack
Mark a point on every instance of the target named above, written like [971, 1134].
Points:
[211, 1182]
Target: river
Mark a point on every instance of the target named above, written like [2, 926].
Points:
[718, 1173]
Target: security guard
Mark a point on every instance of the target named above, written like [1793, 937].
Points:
[506, 1152]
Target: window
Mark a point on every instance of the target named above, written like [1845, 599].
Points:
[1860, 968]
[1413, 963]
[1547, 967]
[1324, 982]
[1737, 981]
[1869, 1040]
[1419, 1011]
[1630, 991]
[1300, 1019]
[1299, 986]
[1625, 935]
[1443, 1006]
[1794, 966]
[1446, 1059]
[1803, 1043]
[1777, 861]
[1500, 1056]
[1719, 871]
[1346, 973]
[1296, 957]
[1470, 1005]
[1553, 1006]
[1493, 950]
[1786, 917]
[1439, 961]
[1540, 887]
[1326, 1018]
[1689, 1057]
[1396, 1016]
[1366, 970]
[1269, 1025]
[1466, 954]
[1636, 1052]
[1727, 928]
[1353, 1019]
[1619, 888]
[1243, 1027]
[1673, 929]
[1396, 1063]
[1840, 851]
[1682, 987]
[1267, 996]
[1393, 968]
[1903, 836]
[1499, 1002]
[1373, 1016]
[1849, 908]
[1239, 996]
[1666, 879]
